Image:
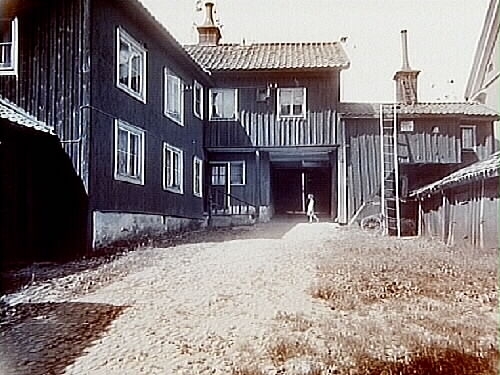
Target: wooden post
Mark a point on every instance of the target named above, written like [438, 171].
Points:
[481, 216]
[333, 187]
[258, 183]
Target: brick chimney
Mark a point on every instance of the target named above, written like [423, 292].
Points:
[406, 78]
[209, 33]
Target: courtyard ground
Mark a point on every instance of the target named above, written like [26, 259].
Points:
[280, 298]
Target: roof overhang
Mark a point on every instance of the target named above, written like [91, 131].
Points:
[17, 115]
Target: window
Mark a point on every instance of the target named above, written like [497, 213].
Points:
[173, 173]
[8, 46]
[198, 100]
[218, 174]
[237, 169]
[292, 102]
[129, 153]
[197, 176]
[468, 137]
[131, 66]
[224, 104]
[174, 97]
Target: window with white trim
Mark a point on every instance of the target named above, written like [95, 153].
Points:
[174, 97]
[237, 172]
[292, 102]
[468, 137]
[223, 104]
[129, 153]
[218, 174]
[8, 46]
[173, 169]
[130, 65]
[197, 176]
[198, 100]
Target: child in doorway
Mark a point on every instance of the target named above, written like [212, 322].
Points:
[310, 209]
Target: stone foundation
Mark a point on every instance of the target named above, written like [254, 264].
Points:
[115, 226]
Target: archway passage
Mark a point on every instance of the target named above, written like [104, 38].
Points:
[291, 184]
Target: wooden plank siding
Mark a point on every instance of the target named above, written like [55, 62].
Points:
[433, 145]
[50, 82]
[110, 103]
[266, 130]
[463, 216]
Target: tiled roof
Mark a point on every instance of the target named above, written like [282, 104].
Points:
[487, 168]
[436, 108]
[19, 116]
[270, 56]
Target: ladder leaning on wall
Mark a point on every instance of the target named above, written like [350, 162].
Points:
[389, 174]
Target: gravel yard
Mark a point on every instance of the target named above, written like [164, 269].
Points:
[281, 298]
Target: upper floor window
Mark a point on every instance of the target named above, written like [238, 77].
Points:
[173, 169]
[223, 104]
[131, 65]
[197, 176]
[8, 46]
[292, 102]
[198, 99]
[468, 137]
[174, 97]
[129, 153]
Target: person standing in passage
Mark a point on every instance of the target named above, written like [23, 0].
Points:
[310, 209]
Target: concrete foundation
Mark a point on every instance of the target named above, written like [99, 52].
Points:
[114, 226]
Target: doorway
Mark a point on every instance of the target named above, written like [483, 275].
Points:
[290, 187]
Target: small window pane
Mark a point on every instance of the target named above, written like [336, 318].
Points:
[237, 170]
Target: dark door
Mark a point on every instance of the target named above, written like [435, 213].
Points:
[287, 190]
[219, 186]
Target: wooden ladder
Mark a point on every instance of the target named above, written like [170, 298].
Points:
[389, 195]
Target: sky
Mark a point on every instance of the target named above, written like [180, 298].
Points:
[442, 36]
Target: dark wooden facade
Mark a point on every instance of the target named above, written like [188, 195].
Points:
[427, 153]
[277, 149]
[110, 102]
[66, 78]
[53, 79]
[258, 124]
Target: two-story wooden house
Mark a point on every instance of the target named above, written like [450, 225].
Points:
[390, 149]
[271, 132]
[125, 102]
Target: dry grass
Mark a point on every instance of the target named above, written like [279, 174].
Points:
[394, 307]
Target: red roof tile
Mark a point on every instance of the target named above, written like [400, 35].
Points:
[270, 56]
[436, 108]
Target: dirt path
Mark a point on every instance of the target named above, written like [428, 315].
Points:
[206, 308]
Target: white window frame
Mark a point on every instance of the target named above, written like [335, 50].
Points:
[14, 47]
[131, 130]
[229, 164]
[170, 75]
[235, 114]
[168, 151]
[243, 171]
[198, 179]
[304, 103]
[198, 112]
[137, 49]
[474, 139]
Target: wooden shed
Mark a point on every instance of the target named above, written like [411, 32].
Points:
[462, 208]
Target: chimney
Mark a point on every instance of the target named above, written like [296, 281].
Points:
[406, 78]
[209, 33]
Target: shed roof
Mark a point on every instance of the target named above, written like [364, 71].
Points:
[270, 56]
[17, 115]
[428, 109]
[483, 169]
